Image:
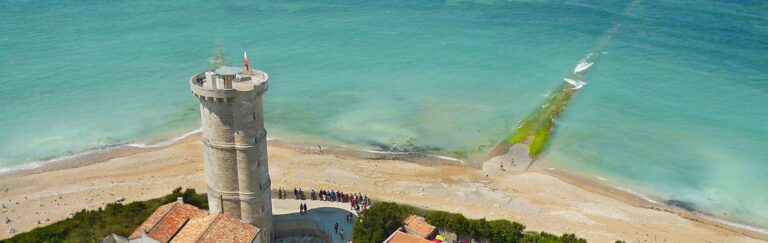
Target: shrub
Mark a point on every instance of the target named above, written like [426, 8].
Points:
[379, 221]
[93, 226]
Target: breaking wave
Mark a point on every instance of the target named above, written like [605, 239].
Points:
[584, 64]
[165, 142]
[577, 84]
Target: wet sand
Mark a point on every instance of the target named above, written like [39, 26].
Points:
[543, 200]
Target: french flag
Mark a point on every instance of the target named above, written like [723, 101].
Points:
[245, 59]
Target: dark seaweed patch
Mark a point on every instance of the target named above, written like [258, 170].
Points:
[688, 206]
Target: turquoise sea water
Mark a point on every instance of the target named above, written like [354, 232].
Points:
[676, 104]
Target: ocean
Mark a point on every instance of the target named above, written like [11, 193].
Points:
[675, 106]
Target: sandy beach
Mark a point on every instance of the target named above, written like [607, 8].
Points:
[542, 200]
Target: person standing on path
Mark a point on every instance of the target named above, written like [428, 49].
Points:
[336, 227]
[341, 234]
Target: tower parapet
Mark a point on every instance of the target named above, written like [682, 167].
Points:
[225, 82]
[234, 144]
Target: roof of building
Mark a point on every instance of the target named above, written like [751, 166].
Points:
[216, 228]
[417, 225]
[402, 237]
[167, 220]
[113, 238]
[229, 70]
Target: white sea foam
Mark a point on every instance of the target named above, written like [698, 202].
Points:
[582, 66]
[383, 152]
[585, 63]
[600, 178]
[165, 142]
[637, 194]
[577, 84]
[446, 158]
[30, 165]
[41, 163]
[404, 153]
[738, 225]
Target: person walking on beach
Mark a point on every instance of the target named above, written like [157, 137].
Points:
[295, 193]
[501, 166]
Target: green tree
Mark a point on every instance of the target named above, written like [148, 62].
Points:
[379, 221]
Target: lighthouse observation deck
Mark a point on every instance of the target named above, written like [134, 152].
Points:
[226, 82]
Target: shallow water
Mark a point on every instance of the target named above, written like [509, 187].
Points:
[676, 103]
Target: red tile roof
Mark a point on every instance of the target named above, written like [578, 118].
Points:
[418, 226]
[401, 237]
[167, 220]
[216, 228]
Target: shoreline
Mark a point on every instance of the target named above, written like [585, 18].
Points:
[106, 155]
[639, 200]
[92, 156]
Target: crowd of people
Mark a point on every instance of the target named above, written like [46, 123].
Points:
[357, 201]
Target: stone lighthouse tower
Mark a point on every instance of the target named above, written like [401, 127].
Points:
[235, 144]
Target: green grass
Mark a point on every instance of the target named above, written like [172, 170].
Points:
[521, 133]
[539, 141]
[93, 226]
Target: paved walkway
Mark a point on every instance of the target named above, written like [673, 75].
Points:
[324, 213]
